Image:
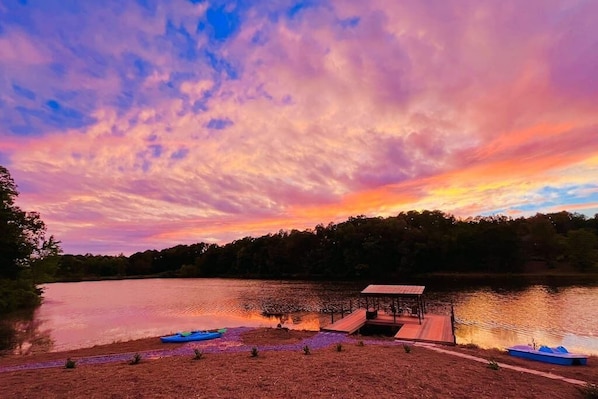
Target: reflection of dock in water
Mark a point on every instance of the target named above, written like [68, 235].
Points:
[417, 325]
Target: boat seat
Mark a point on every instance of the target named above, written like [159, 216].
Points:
[545, 349]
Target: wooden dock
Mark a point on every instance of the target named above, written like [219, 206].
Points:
[434, 328]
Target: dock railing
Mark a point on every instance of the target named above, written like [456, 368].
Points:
[340, 308]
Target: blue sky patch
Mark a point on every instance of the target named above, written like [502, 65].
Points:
[199, 105]
[58, 69]
[180, 153]
[184, 43]
[223, 24]
[567, 194]
[23, 92]
[220, 64]
[53, 104]
[219, 124]
[22, 130]
[149, 5]
[297, 8]
[155, 150]
[124, 100]
[349, 22]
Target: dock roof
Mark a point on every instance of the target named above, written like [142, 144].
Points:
[393, 290]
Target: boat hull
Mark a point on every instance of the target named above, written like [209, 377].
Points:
[554, 357]
[192, 336]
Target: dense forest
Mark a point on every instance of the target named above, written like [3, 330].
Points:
[411, 243]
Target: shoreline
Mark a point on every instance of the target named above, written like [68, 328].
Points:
[423, 372]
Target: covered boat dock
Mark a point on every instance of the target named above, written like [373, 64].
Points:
[404, 298]
[400, 306]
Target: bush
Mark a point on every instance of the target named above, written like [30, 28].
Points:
[589, 391]
[254, 352]
[407, 348]
[18, 294]
[70, 364]
[198, 354]
[339, 347]
[493, 365]
[306, 350]
[136, 359]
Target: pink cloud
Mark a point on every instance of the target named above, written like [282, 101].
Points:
[463, 107]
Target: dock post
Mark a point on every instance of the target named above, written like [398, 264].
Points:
[453, 322]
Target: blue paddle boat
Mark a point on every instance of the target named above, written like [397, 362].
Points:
[189, 336]
[558, 355]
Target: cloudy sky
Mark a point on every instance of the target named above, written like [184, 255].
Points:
[134, 125]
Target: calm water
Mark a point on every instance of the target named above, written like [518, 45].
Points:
[84, 314]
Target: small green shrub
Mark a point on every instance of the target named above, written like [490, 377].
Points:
[136, 359]
[339, 347]
[198, 354]
[306, 350]
[407, 348]
[254, 352]
[589, 391]
[70, 364]
[493, 365]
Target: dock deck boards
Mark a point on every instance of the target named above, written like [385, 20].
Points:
[348, 324]
[434, 328]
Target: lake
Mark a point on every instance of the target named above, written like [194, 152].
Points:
[83, 314]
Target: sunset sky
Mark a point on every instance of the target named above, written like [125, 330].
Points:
[134, 125]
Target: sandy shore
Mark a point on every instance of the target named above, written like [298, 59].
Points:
[370, 368]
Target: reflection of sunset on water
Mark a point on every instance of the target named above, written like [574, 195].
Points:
[540, 314]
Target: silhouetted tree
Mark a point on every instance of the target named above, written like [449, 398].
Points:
[25, 252]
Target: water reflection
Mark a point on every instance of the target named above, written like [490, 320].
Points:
[542, 314]
[84, 314]
[21, 333]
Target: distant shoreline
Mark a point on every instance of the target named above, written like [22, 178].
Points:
[569, 275]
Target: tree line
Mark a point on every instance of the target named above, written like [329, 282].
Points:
[411, 243]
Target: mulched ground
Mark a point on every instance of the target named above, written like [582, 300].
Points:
[370, 368]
